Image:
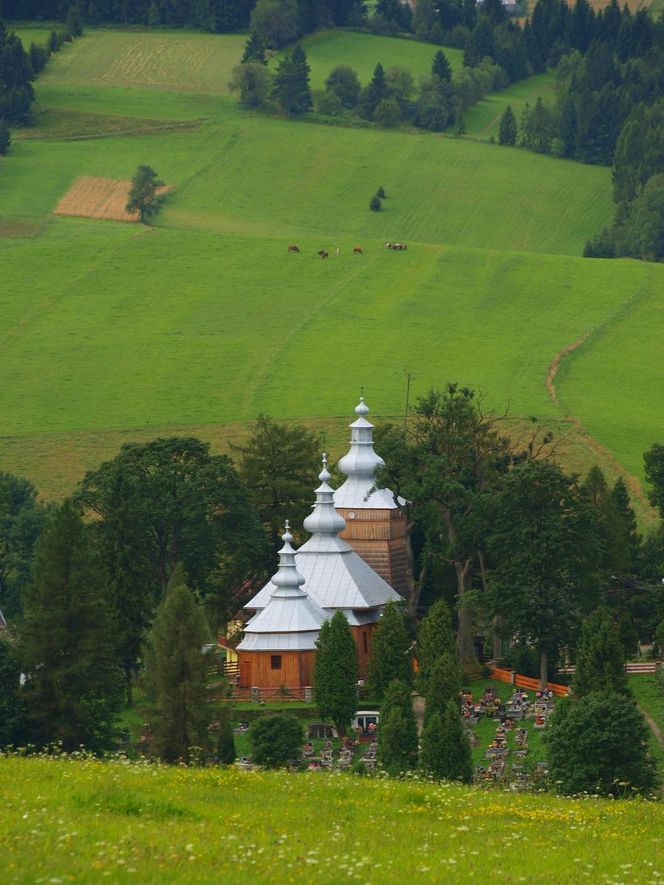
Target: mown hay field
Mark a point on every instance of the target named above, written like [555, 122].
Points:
[94, 197]
[87, 821]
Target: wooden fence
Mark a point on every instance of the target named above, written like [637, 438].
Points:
[519, 681]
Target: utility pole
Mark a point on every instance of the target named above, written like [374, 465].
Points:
[409, 378]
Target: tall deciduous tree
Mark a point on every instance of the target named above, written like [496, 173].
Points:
[335, 672]
[67, 643]
[186, 506]
[600, 658]
[22, 520]
[278, 464]
[390, 651]
[544, 548]
[144, 196]
[177, 675]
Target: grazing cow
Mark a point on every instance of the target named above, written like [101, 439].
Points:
[324, 254]
[357, 250]
[293, 249]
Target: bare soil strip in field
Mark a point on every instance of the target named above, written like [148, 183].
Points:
[55, 124]
[93, 197]
[555, 364]
[14, 228]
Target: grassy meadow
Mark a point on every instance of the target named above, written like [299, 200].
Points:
[88, 820]
[111, 331]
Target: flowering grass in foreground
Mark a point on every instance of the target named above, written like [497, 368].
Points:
[86, 821]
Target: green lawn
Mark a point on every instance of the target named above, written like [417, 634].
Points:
[89, 821]
[649, 694]
[33, 32]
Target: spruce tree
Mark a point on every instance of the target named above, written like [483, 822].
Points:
[441, 67]
[434, 639]
[177, 675]
[508, 128]
[375, 203]
[254, 50]
[397, 731]
[390, 651]
[628, 518]
[600, 658]
[226, 752]
[13, 725]
[374, 93]
[444, 684]
[67, 644]
[445, 751]
[291, 83]
[335, 672]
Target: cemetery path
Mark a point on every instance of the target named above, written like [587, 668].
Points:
[654, 727]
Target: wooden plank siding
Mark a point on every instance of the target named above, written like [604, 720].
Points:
[296, 670]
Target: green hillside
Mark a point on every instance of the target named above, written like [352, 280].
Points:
[90, 821]
[205, 320]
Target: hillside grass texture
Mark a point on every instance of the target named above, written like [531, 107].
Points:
[90, 820]
[110, 332]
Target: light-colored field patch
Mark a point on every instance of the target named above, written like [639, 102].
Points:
[91, 196]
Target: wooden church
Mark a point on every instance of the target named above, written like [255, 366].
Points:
[336, 569]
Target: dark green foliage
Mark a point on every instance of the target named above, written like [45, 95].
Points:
[5, 138]
[187, 506]
[291, 83]
[628, 518]
[13, 724]
[254, 50]
[507, 132]
[374, 93]
[537, 128]
[226, 752]
[435, 105]
[653, 461]
[444, 684]
[253, 81]
[600, 745]
[278, 465]
[387, 113]
[176, 677]
[22, 520]
[441, 67]
[380, 193]
[445, 753]
[275, 21]
[344, 82]
[144, 195]
[276, 740]
[600, 658]
[73, 22]
[397, 731]
[335, 672]
[435, 638]
[375, 203]
[67, 644]
[390, 651]
[545, 549]
[16, 92]
[616, 555]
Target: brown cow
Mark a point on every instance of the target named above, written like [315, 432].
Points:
[324, 254]
[293, 248]
[357, 250]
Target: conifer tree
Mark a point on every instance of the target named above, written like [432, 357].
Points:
[5, 138]
[508, 128]
[176, 675]
[335, 672]
[374, 93]
[291, 83]
[445, 751]
[390, 651]
[600, 658]
[226, 752]
[628, 518]
[375, 203]
[444, 683]
[441, 67]
[276, 740]
[67, 644]
[397, 731]
[434, 639]
[254, 50]
[13, 726]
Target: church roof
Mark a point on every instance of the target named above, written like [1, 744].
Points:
[360, 465]
[335, 576]
[290, 620]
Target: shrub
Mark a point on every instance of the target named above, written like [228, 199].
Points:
[387, 113]
[328, 103]
[276, 740]
[375, 204]
[345, 84]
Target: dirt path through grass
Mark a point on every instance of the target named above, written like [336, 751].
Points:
[555, 365]
[654, 727]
